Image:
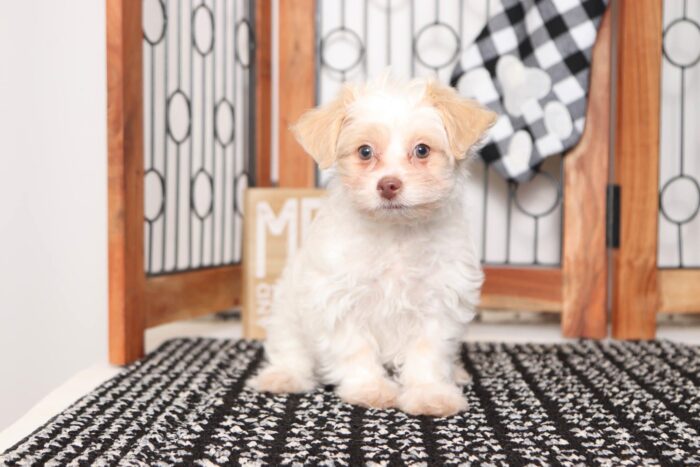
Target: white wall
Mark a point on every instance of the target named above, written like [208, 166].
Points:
[53, 231]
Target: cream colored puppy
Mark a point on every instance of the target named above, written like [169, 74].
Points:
[378, 297]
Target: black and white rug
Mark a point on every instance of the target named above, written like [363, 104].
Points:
[587, 403]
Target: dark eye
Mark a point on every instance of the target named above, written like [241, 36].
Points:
[365, 152]
[421, 151]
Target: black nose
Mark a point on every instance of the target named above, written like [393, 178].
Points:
[388, 187]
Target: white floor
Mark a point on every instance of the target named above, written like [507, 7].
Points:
[489, 330]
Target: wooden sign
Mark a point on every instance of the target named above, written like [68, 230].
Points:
[276, 222]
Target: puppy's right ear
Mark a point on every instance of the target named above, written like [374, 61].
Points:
[318, 129]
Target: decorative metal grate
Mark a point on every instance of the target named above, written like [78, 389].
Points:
[198, 76]
[520, 224]
[679, 196]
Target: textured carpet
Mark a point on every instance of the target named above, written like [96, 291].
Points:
[577, 404]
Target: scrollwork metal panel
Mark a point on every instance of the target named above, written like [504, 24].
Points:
[679, 183]
[198, 131]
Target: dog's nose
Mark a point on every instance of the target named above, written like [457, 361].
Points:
[388, 187]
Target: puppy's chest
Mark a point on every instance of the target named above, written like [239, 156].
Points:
[395, 267]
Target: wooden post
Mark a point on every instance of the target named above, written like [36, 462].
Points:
[125, 184]
[584, 262]
[297, 78]
[263, 86]
[635, 293]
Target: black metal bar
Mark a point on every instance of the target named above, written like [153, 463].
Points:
[411, 38]
[252, 99]
[191, 154]
[164, 231]
[224, 65]
[682, 124]
[151, 144]
[212, 220]
[680, 244]
[535, 241]
[177, 164]
[203, 146]
[484, 214]
[509, 215]
[342, 14]
[234, 181]
[561, 209]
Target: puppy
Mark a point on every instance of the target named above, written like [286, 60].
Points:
[378, 297]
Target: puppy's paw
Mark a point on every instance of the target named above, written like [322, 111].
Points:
[461, 376]
[278, 380]
[379, 393]
[437, 400]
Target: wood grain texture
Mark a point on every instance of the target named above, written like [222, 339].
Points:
[297, 80]
[679, 290]
[584, 263]
[125, 181]
[516, 288]
[263, 87]
[190, 294]
[635, 294]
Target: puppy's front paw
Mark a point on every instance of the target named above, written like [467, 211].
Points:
[437, 400]
[278, 380]
[379, 393]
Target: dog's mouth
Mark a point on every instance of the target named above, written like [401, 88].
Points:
[405, 209]
[394, 206]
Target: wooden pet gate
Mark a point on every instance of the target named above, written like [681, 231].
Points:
[178, 258]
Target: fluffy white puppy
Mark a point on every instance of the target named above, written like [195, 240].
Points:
[378, 297]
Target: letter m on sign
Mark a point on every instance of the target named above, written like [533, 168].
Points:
[275, 222]
[266, 220]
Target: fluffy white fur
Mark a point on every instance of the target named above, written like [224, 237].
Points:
[378, 297]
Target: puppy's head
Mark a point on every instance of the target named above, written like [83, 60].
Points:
[396, 147]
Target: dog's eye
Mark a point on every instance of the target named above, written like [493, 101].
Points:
[365, 152]
[421, 151]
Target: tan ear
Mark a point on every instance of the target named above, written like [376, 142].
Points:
[318, 129]
[465, 120]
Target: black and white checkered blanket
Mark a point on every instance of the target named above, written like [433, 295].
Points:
[531, 65]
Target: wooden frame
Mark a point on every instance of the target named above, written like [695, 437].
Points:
[641, 288]
[586, 168]
[635, 292]
[528, 289]
[578, 288]
[297, 76]
[137, 302]
[125, 181]
[263, 97]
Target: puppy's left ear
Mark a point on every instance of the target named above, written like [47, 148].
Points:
[318, 129]
[465, 120]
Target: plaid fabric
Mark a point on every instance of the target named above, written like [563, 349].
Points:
[531, 64]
